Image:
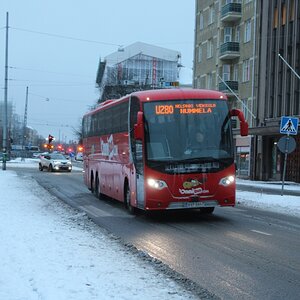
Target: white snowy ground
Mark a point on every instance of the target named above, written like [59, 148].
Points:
[51, 251]
[285, 204]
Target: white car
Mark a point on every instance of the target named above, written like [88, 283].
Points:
[55, 162]
[79, 156]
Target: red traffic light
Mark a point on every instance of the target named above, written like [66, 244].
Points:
[50, 138]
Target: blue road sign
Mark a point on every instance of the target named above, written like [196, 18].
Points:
[289, 125]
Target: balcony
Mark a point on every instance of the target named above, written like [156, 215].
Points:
[230, 50]
[231, 12]
[233, 87]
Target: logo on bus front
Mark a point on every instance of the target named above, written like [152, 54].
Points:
[192, 187]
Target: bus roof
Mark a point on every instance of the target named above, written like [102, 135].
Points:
[165, 94]
[169, 94]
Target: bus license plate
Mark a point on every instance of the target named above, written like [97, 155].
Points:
[200, 204]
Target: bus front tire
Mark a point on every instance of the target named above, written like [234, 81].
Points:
[131, 209]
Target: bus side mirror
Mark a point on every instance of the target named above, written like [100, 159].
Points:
[138, 127]
[243, 122]
[244, 128]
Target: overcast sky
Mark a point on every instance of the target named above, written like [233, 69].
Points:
[61, 71]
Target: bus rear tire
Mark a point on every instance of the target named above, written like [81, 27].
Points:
[92, 183]
[207, 210]
[97, 188]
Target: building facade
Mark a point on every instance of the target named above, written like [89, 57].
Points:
[237, 43]
[225, 58]
[278, 87]
[139, 66]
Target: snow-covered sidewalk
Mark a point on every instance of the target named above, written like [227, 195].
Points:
[285, 204]
[51, 251]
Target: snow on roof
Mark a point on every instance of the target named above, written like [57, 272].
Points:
[142, 48]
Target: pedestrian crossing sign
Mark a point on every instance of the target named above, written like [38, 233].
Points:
[289, 125]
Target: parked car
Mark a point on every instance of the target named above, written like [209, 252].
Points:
[55, 162]
[36, 154]
[79, 156]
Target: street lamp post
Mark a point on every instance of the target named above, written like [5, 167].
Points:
[25, 125]
[4, 142]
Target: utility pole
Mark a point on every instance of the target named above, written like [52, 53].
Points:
[25, 125]
[4, 141]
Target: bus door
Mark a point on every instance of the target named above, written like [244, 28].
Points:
[137, 156]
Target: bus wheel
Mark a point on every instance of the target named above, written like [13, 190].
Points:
[207, 210]
[97, 188]
[131, 209]
[92, 183]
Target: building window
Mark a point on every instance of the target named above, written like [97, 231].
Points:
[275, 21]
[246, 70]
[211, 14]
[227, 34]
[201, 21]
[200, 53]
[237, 33]
[236, 72]
[247, 107]
[247, 33]
[292, 11]
[209, 48]
[283, 14]
[203, 81]
[226, 72]
[209, 80]
[199, 82]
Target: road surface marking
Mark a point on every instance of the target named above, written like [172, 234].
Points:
[261, 232]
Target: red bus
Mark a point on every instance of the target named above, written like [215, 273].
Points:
[138, 150]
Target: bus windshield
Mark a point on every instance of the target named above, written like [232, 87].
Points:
[188, 132]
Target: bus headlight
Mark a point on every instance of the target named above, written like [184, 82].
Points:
[157, 184]
[227, 180]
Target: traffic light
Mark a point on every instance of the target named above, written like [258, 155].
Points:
[50, 138]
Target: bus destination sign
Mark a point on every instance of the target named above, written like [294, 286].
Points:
[188, 108]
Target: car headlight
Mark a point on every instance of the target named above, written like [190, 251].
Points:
[228, 180]
[157, 184]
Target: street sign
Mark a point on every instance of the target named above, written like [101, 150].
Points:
[289, 125]
[286, 144]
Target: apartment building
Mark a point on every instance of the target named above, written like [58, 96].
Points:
[225, 59]
[278, 88]
[250, 50]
